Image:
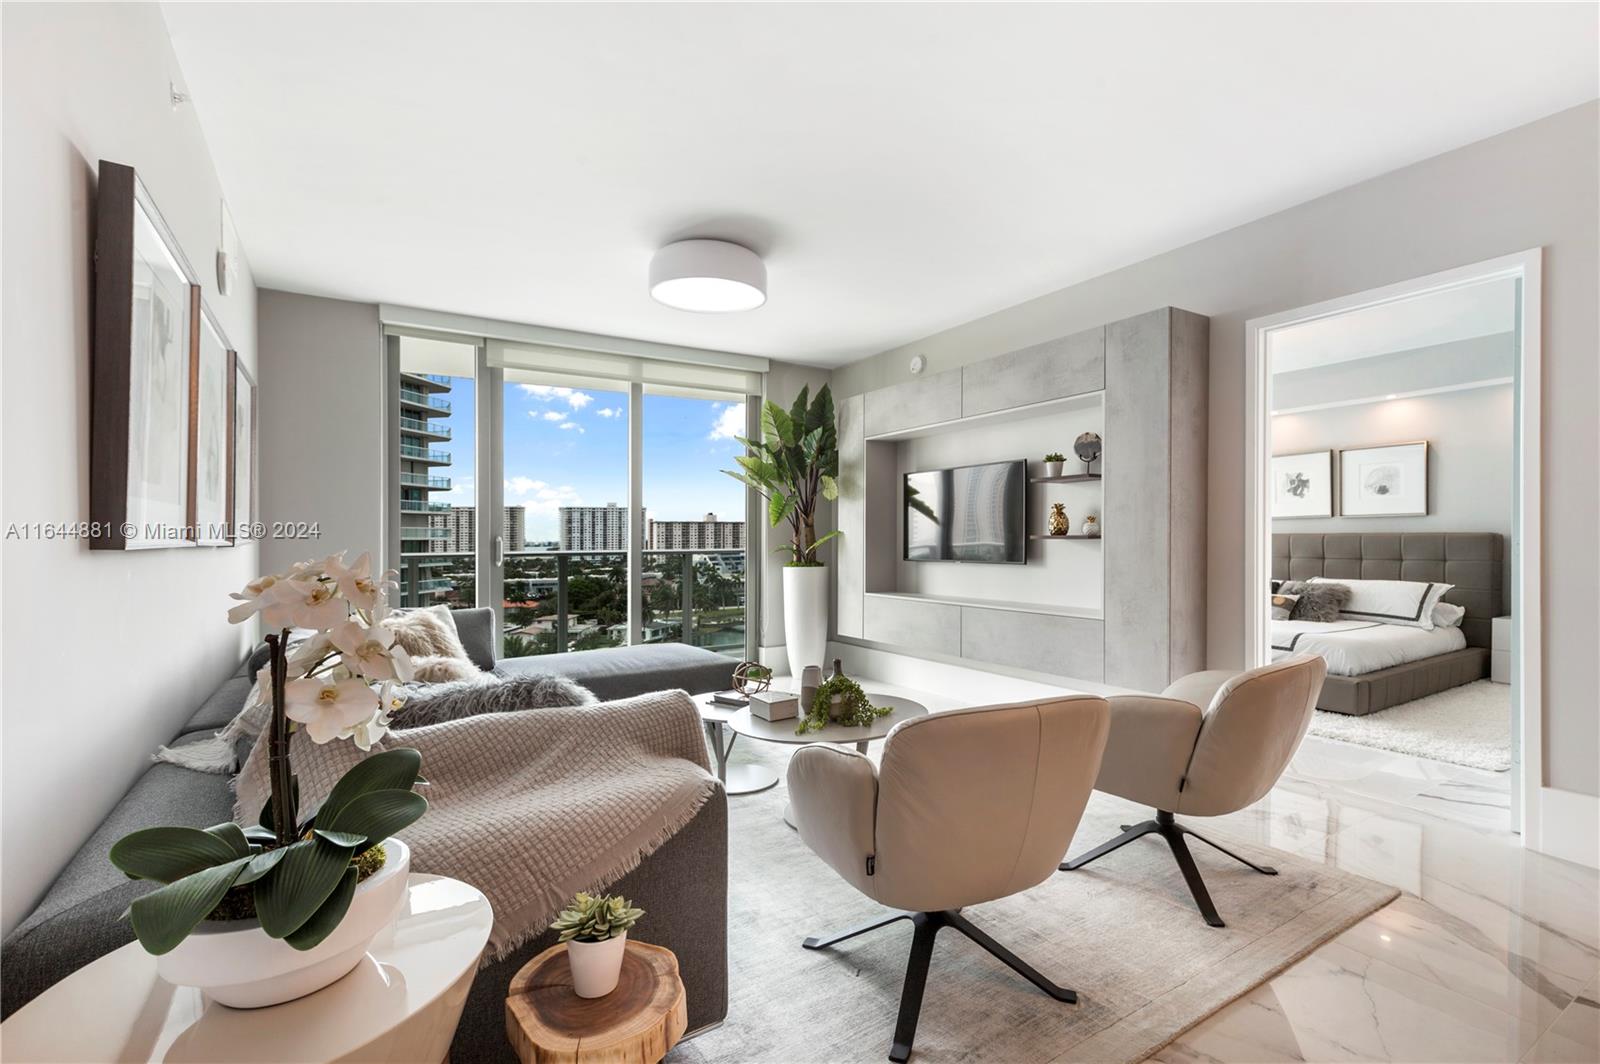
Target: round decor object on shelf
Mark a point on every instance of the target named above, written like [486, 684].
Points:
[1087, 447]
[1090, 526]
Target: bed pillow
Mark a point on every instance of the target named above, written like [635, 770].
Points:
[1407, 603]
[1283, 606]
[1448, 615]
[1320, 602]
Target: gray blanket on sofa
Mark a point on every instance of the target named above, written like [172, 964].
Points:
[534, 805]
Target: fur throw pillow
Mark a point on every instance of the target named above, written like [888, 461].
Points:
[440, 702]
[1316, 602]
[426, 633]
[436, 668]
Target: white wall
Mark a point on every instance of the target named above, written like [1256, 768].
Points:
[1534, 186]
[104, 654]
[1470, 436]
[322, 453]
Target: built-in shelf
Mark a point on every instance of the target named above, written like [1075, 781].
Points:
[1074, 535]
[1086, 612]
[1069, 478]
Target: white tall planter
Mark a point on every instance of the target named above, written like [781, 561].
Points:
[236, 963]
[805, 615]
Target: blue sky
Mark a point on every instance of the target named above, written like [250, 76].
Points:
[569, 447]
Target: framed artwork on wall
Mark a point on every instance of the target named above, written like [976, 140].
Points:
[1387, 481]
[1302, 484]
[146, 310]
[242, 447]
[210, 427]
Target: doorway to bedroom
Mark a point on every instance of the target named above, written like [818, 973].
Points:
[1387, 503]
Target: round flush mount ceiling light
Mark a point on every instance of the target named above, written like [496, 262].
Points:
[708, 275]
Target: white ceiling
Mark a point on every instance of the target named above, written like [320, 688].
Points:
[1487, 309]
[903, 168]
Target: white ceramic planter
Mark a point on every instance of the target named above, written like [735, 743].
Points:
[234, 962]
[596, 965]
[805, 615]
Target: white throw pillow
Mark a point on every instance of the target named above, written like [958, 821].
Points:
[1408, 603]
[1448, 615]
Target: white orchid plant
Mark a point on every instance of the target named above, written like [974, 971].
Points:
[296, 873]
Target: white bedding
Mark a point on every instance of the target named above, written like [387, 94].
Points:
[1355, 647]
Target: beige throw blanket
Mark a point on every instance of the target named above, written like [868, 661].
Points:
[531, 806]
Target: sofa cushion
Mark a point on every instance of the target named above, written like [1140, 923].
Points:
[622, 672]
[223, 705]
[77, 921]
[475, 628]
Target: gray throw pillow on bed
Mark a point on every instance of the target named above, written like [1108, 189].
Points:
[1316, 602]
[436, 703]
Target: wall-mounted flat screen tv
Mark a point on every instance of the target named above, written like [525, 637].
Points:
[976, 513]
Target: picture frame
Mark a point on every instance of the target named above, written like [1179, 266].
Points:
[145, 333]
[211, 468]
[1384, 481]
[242, 451]
[1302, 485]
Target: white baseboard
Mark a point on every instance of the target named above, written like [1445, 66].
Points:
[1569, 826]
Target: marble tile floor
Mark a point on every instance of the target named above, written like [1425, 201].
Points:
[1492, 953]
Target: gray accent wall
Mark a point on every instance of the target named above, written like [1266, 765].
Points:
[1533, 186]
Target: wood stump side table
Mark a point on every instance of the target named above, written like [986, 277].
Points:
[546, 1021]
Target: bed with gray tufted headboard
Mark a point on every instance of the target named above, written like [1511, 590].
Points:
[1473, 561]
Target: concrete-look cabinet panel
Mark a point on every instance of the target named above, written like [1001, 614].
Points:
[1189, 428]
[1064, 646]
[851, 514]
[932, 627]
[920, 401]
[1055, 369]
[1138, 482]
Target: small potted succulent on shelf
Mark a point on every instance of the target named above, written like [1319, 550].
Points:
[595, 929]
[1053, 463]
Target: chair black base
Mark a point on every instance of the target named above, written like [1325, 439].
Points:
[1168, 828]
[927, 926]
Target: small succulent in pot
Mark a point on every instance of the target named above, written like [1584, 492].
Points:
[1053, 463]
[595, 929]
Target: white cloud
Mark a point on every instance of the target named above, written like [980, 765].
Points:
[460, 493]
[729, 423]
[550, 393]
[540, 497]
[609, 411]
[550, 415]
[570, 425]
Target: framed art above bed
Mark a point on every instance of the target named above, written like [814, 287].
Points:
[1302, 485]
[1387, 481]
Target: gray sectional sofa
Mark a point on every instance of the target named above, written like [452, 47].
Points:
[683, 885]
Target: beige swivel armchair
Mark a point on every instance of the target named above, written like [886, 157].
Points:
[969, 806]
[1170, 753]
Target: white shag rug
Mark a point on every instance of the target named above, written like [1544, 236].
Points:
[1468, 725]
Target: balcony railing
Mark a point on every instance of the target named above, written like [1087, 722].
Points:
[422, 480]
[424, 454]
[413, 424]
[688, 596]
[416, 398]
[417, 506]
[419, 533]
[435, 583]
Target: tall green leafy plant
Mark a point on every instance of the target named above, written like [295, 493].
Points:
[793, 465]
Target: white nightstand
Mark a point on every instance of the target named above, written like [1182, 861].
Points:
[1500, 650]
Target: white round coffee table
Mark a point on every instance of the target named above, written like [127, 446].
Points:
[736, 779]
[401, 1003]
[743, 722]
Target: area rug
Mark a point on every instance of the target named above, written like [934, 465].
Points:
[1123, 932]
[1468, 725]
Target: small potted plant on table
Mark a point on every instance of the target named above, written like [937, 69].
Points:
[595, 929]
[1053, 463]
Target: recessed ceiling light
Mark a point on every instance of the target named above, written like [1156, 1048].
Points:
[712, 276]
